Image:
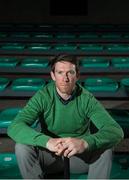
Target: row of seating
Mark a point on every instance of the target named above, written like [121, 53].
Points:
[65, 47]
[68, 27]
[63, 36]
[88, 62]
[92, 84]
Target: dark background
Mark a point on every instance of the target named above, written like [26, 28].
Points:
[64, 11]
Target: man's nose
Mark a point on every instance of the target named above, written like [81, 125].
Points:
[66, 78]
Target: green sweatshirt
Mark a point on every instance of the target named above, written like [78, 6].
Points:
[65, 120]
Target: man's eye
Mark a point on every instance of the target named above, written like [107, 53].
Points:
[59, 72]
[72, 72]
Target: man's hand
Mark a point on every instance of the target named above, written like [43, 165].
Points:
[55, 145]
[73, 146]
[67, 146]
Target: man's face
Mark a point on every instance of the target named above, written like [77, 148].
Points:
[65, 76]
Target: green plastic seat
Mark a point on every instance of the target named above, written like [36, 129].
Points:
[88, 36]
[8, 166]
[27, 84]
[118, 48]
[91, 47]
[39, 47]
[120, 62]
[125, 83]
[67, 36]
[122, 117]
[7, 115]
[3, 83]
[20, 35]
[3, 35]
[35, 63]
[101, 84]
[111, 36]
[120, 167]
[43, 35]
[8, 62]
[96, 62]
[13, 46]
[66, 47]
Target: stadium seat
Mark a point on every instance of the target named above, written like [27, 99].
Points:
[91, 47]
[34, 63]
[111, 36]
[3, 35]
[120, 62]
[96, 62]
[122, 117]
[101, 84]
[8, 62]
[27, 84]
[65, 36]
[67, 47]
[3, 83]
[39, 47]
[117, 48]
[8, 166]
[12, 46]
[7, 115]
[125, 84]
[88, 36]
[42, 35]
[20, 35]
[120, 168]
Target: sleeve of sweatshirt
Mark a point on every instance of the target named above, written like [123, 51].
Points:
[20, 129]
[109, 131]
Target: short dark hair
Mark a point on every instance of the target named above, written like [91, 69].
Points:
[64, 57]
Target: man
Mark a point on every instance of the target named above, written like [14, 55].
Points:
[65, 110]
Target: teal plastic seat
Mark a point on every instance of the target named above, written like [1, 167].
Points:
[13, 46]
[120, 167]
[63, 47]
[35, 63]
[120, 62]
[3, 35]
[8, 166]
[96, 62]
[39, 47]
[7, 115]
[101, 84]
[43, 35]
[27, 84]
[91, 47]
[111, 36]
[67, 36]
[122, 117]
[118, 48]
[20, 35]
[125, 83]
[8, 62]
[88, 36]
[3, 83]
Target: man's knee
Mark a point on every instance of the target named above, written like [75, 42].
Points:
[22, 150]
[107, 154]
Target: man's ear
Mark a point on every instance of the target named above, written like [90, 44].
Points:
[52, 75]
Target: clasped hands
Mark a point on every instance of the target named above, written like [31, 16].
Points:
[66, 147]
